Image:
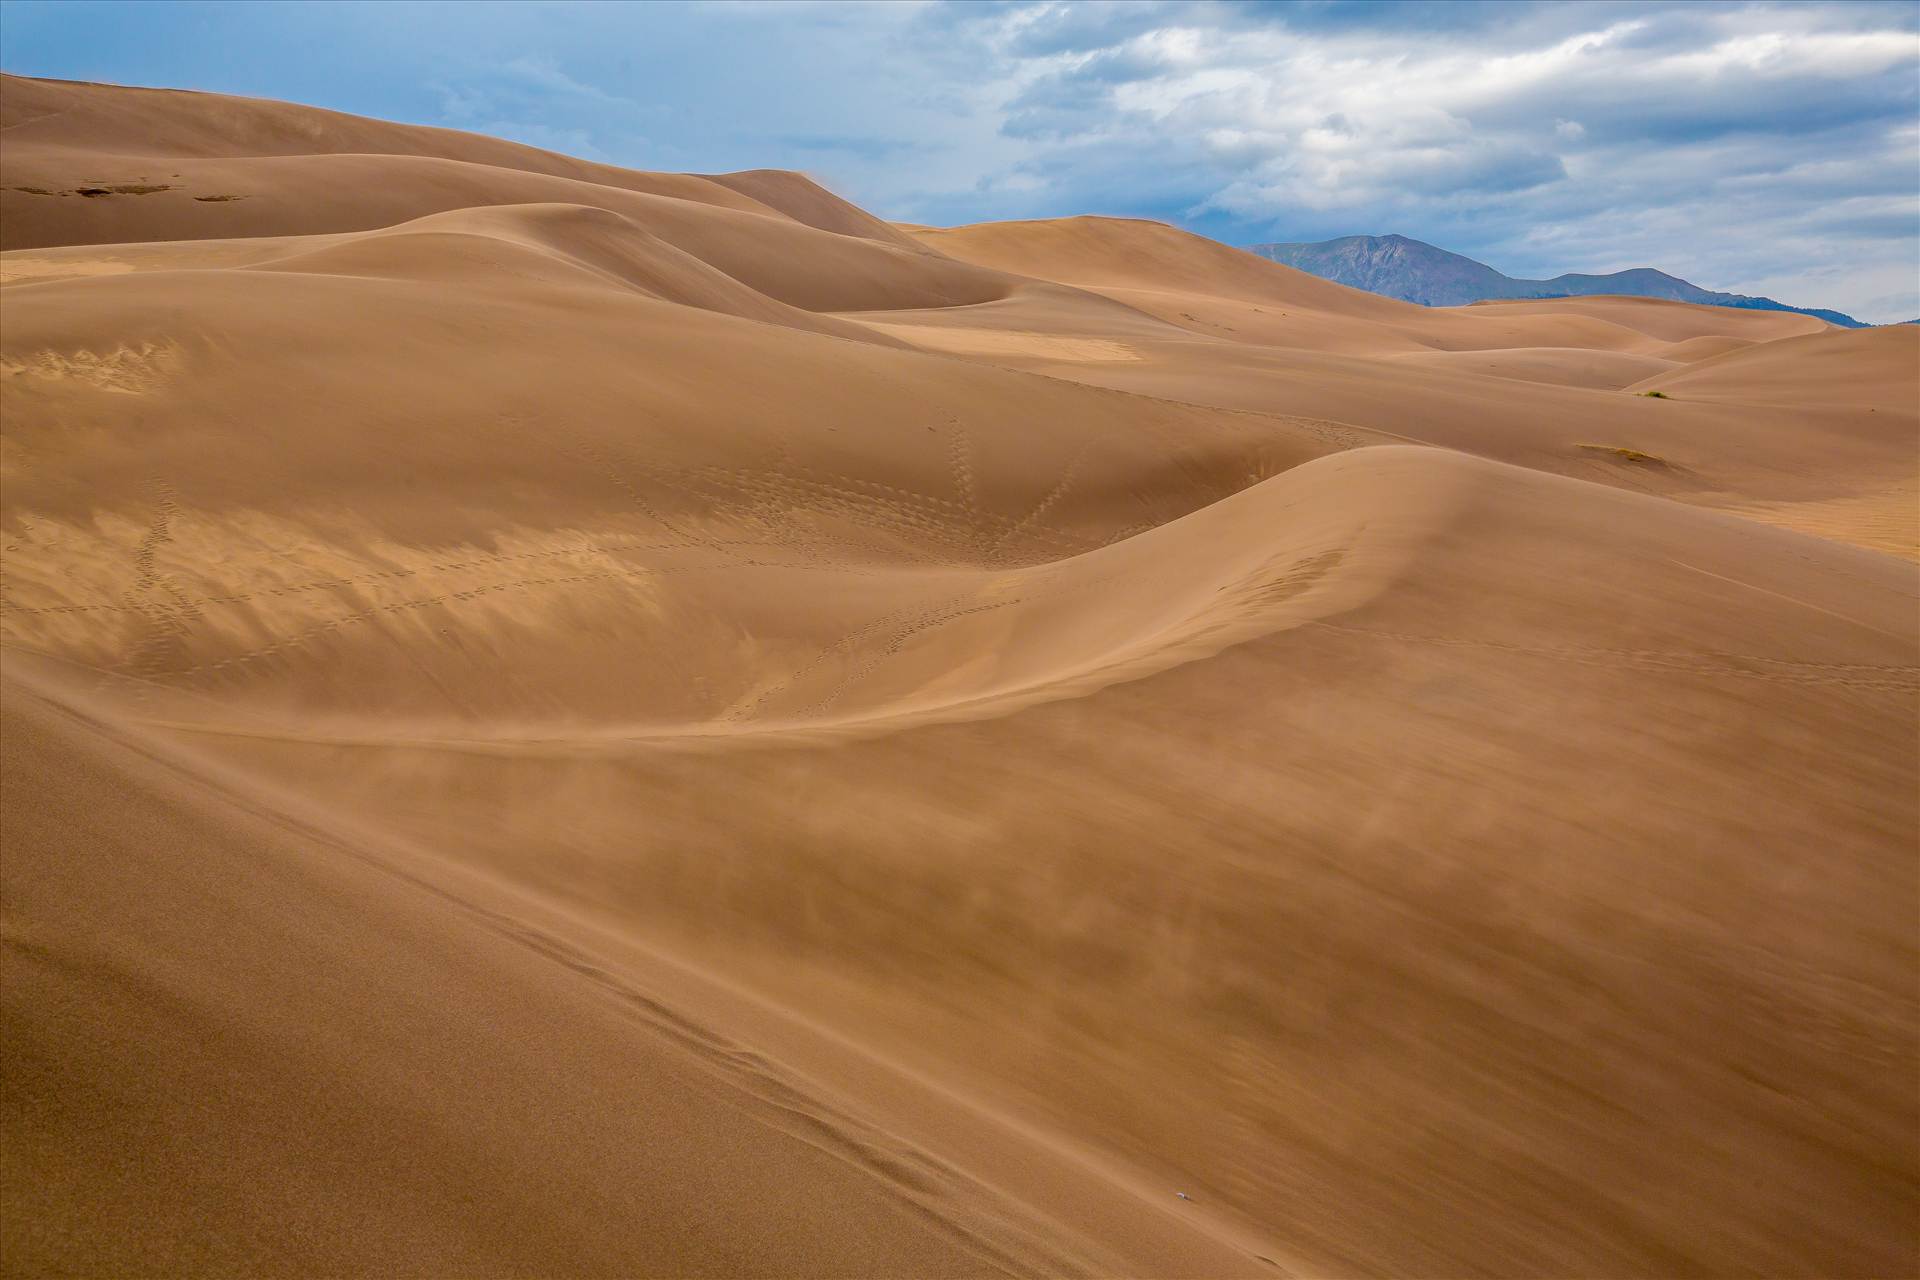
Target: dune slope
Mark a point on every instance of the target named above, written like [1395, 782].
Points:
[236, 1044]
[703, 733]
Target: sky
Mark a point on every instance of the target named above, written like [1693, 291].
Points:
[1759, 148]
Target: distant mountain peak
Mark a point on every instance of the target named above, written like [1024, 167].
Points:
[1414, 271]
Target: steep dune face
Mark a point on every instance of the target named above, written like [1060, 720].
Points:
[705, 734]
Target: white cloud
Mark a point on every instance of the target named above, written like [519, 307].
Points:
[1730, 145]
[543, 73]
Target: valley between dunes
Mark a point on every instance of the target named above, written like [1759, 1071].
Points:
[569, 721]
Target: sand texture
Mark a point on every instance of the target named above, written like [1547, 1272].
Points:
[566, 721]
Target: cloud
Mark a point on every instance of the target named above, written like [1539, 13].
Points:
[543, 74]
[849, 144]
[1728, 144]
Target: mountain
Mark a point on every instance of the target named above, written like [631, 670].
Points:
[1415, 271]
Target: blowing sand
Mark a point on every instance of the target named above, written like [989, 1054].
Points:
[569, 721]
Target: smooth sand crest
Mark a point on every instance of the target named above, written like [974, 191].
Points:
[569, 721]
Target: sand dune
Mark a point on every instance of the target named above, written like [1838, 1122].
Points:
[66, 130]
[1555, 385]
[1554, 366]
[1805, 370]
[1664, 320]
[570, 721]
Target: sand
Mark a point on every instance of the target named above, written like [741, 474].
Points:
[569, 721]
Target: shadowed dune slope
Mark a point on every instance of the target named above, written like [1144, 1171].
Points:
[572, 722]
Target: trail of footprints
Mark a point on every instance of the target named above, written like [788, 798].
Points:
[166, 613]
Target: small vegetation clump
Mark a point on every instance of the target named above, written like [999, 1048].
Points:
[1626, 455]
[1656, 395]
[213, 199]
[94, 193]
